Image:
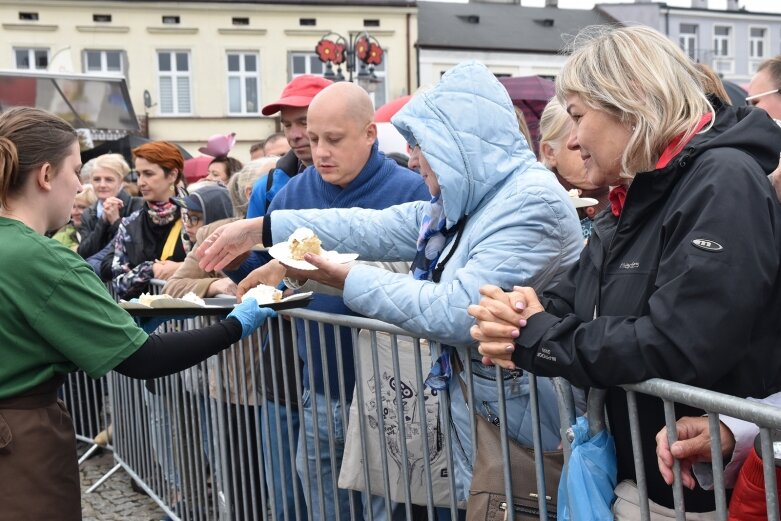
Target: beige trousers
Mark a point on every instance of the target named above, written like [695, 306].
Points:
[626, 507]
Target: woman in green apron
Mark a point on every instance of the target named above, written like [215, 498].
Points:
[58, 317]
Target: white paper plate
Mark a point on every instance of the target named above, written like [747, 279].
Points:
[582, 202]
[281, 252]
[163, 303]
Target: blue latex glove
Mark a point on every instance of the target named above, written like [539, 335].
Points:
[251, 315]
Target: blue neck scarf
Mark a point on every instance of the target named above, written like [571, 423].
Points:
[431, 240]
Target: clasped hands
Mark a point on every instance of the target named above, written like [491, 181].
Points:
[500, 316]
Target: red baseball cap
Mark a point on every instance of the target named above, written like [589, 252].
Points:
[298, 93]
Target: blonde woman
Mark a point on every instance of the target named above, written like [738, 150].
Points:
[566, 163]
[100, 221]
[679, 280]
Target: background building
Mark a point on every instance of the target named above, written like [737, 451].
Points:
[199, 68]
[732, 41]
[509, 39]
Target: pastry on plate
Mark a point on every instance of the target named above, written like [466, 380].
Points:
[303, 241]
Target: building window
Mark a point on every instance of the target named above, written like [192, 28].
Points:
[171, 20]
[101, 18]
[304, 63]
[687, 39]
[32, 59]
[106, 62]
[173, 71]
[723, 62]
[757, 47]
[243, 82]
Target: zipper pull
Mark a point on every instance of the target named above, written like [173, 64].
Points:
[503, 506]
[515, 387]
[490, 416]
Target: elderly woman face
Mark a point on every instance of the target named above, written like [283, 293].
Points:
[567, 163]
[105, 182]
[419, 163]
[601, 140]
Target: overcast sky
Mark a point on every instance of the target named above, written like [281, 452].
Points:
[764, 6]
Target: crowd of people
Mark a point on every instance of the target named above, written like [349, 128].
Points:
[471, 240]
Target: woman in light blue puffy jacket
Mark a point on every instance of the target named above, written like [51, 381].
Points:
[496, 216]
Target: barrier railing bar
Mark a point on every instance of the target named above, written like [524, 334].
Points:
[718, 466]
[424, 426]
[769, 468]
[634, 430]
[402, 426]
[672, 436]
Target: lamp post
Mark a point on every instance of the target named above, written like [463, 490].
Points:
[359, 53]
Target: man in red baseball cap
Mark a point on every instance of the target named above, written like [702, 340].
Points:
[293, 106]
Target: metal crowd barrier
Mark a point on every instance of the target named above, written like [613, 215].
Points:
[219, 441]
[89, 404]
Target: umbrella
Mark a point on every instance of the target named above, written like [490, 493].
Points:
[123, 146]
[386, 112]
[530, 94]
[736, 93]
[196, 168]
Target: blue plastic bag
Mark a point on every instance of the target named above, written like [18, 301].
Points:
[589, 478]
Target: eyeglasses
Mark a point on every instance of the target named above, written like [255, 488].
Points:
[752, 100]
[190, 220]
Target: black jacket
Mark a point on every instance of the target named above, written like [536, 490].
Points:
[683, 286]
[146, 241]
[96, 233]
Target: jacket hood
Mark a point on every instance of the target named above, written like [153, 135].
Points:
[467, 130]
[215, 201]
[744, 128]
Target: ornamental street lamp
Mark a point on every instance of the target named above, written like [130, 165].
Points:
[360, 53]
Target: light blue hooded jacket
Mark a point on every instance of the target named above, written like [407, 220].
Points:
[521, 229]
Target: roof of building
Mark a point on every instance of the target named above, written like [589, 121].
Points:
[363, 3]
[740, 12]
[501, 27]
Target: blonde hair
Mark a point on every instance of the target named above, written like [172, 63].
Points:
[114, 163]
[640, 77]
[523, 127]
[555, 125]
[87, 195]
[247, 176]
[712, 84]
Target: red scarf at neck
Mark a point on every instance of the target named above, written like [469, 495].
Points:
[617, 195]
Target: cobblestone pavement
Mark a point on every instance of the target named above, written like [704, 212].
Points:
[114, 500]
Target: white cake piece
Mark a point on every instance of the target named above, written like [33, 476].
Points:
[303, 241]
[264, 294]
[146, 299]
[195, 299]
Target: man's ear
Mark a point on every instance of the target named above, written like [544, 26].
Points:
[45, 176]
[548, 154]
[371, 132]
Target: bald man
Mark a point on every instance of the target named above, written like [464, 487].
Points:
[348, 171]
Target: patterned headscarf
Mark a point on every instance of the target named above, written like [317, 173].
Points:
[431, 240]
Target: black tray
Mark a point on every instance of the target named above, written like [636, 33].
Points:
[221, 307]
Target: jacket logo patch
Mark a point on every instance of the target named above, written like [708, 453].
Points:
[707, 245]
[629, 265]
